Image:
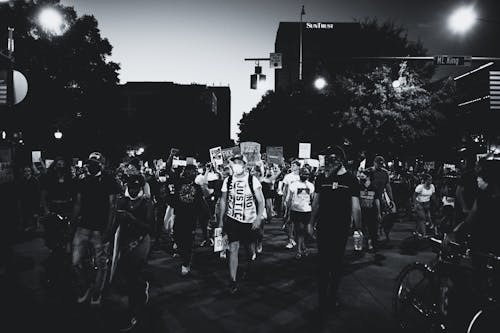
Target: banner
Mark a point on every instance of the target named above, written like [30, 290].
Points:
[275, 155]
[429, 165]
[304, 150]
[251, 150]
[216, 156]
[227, 153]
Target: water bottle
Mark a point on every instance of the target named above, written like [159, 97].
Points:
[358, 240]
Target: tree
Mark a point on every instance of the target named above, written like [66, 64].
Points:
[71, 81]
[360, 107]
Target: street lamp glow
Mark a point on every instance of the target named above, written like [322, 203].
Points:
[320, 83]
[52, 21]
[396, 84]
[58, 135]
[462, 19]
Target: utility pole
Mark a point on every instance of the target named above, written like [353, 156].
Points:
[302, 13]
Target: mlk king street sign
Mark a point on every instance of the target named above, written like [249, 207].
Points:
[453, 60]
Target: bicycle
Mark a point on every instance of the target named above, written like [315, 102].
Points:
[426, 296]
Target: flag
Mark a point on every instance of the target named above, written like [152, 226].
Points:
[303, 12]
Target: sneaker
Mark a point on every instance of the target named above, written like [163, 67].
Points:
[289, 245]
[84, 296]
[96, 301]
[254, 256]
[202, 244]
[259, 248]
[146, 292]
[174, 246]
[233, 288]
[211, 242]
[129, 325]
[185, 270]
[293, 242]
[223, 254]
[298, 256]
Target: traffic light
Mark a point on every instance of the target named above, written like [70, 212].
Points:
[253, 81]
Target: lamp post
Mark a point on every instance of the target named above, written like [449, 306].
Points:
[320, 83]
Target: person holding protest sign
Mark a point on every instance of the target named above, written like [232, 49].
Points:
[242, 206]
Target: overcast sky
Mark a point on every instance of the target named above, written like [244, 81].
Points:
[205, 41]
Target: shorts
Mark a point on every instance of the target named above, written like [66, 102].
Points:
[238, 232]
[300, 221]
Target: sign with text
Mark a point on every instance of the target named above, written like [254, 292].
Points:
[275, 155]
[429, 165]
[453, 60]
[275, 60]
[216, 156]
[321, 159]
[227, 153]
[218, 240]
[304, 150]
[251, 150]
[36, 156]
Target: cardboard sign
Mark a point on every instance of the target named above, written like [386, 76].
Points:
[429, 165]
[227, 153]
[321, 159]
[216, 156]
[251, 150]
[275, 155]
[190, 161]
[178, 163]
[36, 156]
[48, 163]
[218, 240]
[304, 150]
[80, 164]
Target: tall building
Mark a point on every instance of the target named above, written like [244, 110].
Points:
[162, 115]
[324, 45]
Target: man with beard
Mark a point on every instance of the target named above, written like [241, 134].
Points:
[96, 205]
[335, 205]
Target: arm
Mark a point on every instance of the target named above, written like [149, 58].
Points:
[111, 215]
[43, 202]
[377, 208]
[469, 219]
[260, 208]
[314, 213]
[222, 208]
[356, 212]
[77, 205]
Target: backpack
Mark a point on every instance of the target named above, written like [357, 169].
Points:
[250, 183]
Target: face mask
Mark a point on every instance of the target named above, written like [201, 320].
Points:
[138, 196]
[94, 168]
[162, 179]
[304, 178]
[237, 169]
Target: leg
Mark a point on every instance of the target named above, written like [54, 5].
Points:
[101, 259]
[233, 259]
[80, 242]
[136, 260]
[420, 219]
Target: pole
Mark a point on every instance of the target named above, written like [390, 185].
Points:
[302, 12]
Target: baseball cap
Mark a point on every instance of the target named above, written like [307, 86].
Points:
[379, 159]
[336, 151]
[97, 156]
[238, 157]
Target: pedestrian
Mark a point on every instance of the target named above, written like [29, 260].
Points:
[95, 203]
[424, 192]
[289, 179]
[299, 201]
[135, 216]
[335, 205]
[28, 200]
[370, 209]
[241, 207]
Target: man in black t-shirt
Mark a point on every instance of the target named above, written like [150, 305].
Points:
[96, 205]
[335, 205]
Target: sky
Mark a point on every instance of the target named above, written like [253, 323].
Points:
[206, 41]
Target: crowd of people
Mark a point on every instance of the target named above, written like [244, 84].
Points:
[149, 202]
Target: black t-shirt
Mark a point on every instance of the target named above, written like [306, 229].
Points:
[29, 194]
[468, 181]
[335, 201]
[58, 188]
[188, 200]
[367, 197]
[216, 185]
[95, 192]
[142, 225]
[485, 228]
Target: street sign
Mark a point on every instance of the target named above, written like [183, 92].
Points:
[452, 60]
[275, 60]
[3, 87]
[494, 90]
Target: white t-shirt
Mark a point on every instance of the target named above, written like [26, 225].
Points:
[240, 202]
[289, 179]
[423, 194]
[301, 196]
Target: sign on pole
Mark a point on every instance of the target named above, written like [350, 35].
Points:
[453, 60]
[251, 150]
[275, 155]
[304, 150]
[216, 156]
[275, 60]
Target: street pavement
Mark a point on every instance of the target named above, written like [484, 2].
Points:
[278, 294]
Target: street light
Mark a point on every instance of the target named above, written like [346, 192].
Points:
[320, 83]
[58, 135]
[462, 19]
[52, 21]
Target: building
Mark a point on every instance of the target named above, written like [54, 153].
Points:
[324, 45]
[162, 115]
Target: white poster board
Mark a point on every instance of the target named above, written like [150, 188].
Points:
[304, 150]
[216, 156]
[36, 156]
[218, 240]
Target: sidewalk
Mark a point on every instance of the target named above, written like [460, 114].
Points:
[279, 296]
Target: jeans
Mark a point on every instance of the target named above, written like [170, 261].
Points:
[132, 264]
[423, 210]
[81, 250]
[184, 231]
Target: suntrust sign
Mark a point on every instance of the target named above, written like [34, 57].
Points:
[319, 25]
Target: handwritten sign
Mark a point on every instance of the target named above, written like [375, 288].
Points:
[275, 155]
[216, 156]
[227, 153]
[251, 150]
[304, 150]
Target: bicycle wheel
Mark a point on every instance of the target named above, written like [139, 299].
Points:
[414, 299]
[484, 320]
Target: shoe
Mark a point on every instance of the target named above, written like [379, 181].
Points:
[233, 288]
[259, 248]
[146, 292]
[289, 245]
[202, 244]
[211, 242]
[185, 270]
[174, 246]
[370, 245]
[223, 254]
[298, 256]
[254, 256]
[129, 325]
[84, 296]
[293, 242]
[96, 301]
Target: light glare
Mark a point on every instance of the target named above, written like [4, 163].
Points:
[462, 19]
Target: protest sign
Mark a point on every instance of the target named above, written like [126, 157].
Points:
[36, 156]
[362, 165]
[227, 153]
[176, 162]
[321, 159]
[216, 156]
[429, 165]
[251, 150]
[218, 240]
[480, 157]
[304, 150]
[190, 161]
[275, 155]
[48, 163]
